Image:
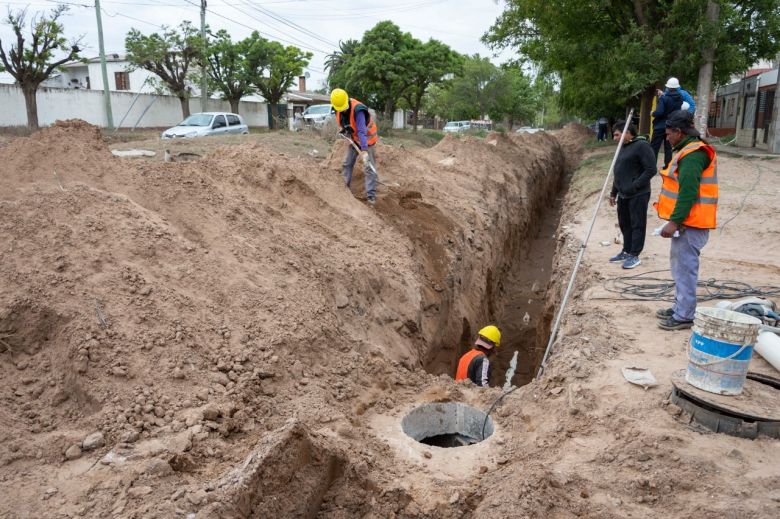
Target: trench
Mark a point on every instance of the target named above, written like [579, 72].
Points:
[526, 293]
[521, 288]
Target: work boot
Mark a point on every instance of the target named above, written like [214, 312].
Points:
[665, 313]
[620, 258]
[673, 324]
[372, 202]
[631, 261]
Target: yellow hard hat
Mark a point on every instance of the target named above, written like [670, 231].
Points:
[492, 334]
[339, 99]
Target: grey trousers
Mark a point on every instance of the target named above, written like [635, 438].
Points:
[684, 261]
[370, 177]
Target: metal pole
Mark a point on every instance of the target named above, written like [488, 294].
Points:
[135, 98]
[562, 307]
[106, 91]
[204, 81]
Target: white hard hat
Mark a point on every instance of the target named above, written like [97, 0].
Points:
[673, 83]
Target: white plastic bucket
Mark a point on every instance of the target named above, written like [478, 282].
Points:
[720, 350]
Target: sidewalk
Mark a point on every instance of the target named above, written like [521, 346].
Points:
[746, 152]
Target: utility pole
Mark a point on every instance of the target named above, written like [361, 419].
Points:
[106, 91]
[204, 81]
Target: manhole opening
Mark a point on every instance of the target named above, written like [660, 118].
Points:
[447, 424]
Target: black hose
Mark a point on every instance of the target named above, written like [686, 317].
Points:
[501, 397]
[645, 288]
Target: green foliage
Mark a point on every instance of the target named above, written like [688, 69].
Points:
[481, 89]
[607, 53]
[380, 65]
[33, 63]
[427, 64]
[168, 55]
[228, 68]
[274, 67]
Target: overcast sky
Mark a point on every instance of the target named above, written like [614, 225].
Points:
[315, 25]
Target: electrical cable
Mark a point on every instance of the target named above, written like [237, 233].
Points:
[288, 23]
[247, 26]
[644, 287]
[490, 410]
[744, 198]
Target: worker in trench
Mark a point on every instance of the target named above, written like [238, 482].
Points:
[689, 201]
[355, 123]
[475, 365]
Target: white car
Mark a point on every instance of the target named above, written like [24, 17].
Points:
[457, 126]
[317, 115]
[207, 123]
[528, 129]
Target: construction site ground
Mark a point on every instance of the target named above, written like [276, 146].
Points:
[239, 335]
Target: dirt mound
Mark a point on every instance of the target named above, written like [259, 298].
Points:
[68, 150]
[185, 311]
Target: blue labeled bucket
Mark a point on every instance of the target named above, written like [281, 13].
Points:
[720, 350]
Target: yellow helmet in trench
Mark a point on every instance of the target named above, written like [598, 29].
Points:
[339, 99]
[492, 334]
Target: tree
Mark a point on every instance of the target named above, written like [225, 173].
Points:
[169, 56]
[607, 53]
[337, 61]
[475, 92]
[380, 65]
[428, 64]
[32, 65]
[228, 68]
[516, 99]
[274, 67]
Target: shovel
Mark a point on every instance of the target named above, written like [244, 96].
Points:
[379, 180]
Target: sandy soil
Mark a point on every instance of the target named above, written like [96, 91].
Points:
[240, 336]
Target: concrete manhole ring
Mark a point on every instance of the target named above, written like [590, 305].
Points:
[447, 424]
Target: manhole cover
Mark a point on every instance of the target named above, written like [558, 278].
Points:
[755, 412]
[447, 424]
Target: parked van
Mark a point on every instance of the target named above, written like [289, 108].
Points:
[457, 126]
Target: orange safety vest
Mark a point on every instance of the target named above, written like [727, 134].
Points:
[704, 210]
[371, 132]
[465, 361]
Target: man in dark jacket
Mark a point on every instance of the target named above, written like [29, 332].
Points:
[635, 166]
[666, 104]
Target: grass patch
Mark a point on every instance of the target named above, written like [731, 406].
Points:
[588, 178]
[422, 137]
[596, 144]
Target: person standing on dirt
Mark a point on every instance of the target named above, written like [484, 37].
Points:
[670, 101]
[634, 167]
[689, 201]
[603, 123]
[356, 123]
[475, 365]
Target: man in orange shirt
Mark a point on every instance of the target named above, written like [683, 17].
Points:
[474, 364]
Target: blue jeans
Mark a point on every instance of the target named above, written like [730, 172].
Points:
[684, 260]
[370, 177]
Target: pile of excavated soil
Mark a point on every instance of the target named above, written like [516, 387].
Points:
[220, 336]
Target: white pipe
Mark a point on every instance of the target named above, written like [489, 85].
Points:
[768, 346]
[562, 307]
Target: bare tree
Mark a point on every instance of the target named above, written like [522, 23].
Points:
[32, 64]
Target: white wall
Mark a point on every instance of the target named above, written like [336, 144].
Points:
[137, 77]
[58, 103]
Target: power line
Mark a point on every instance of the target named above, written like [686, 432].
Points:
[248, 27]
[288, 23]
[302, 43]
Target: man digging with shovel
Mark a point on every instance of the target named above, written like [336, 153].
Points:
[356, 125]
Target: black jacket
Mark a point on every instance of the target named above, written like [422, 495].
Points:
[665, 105]
[634, 168]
